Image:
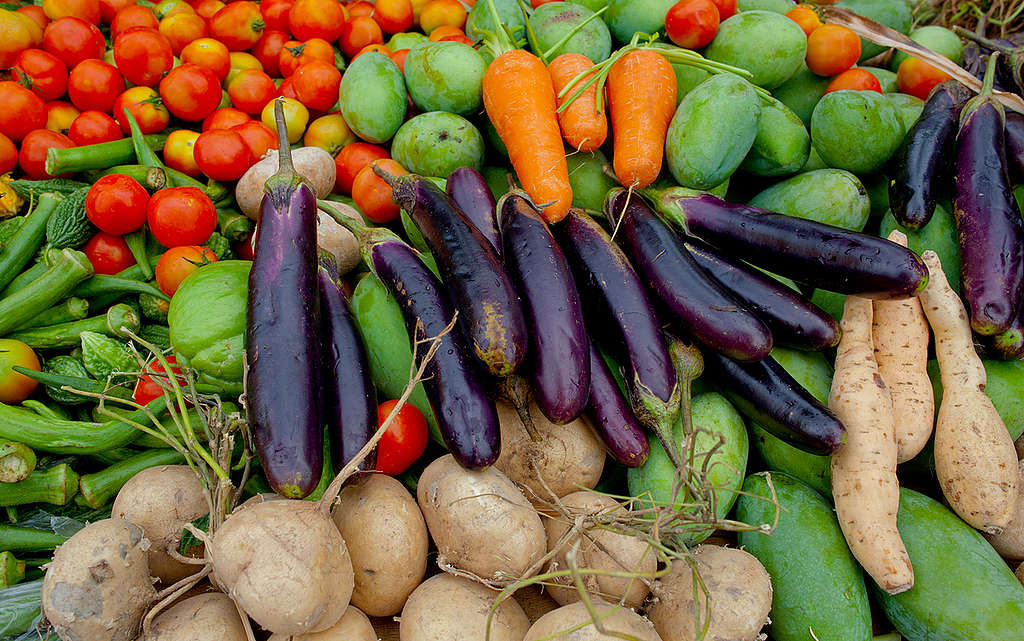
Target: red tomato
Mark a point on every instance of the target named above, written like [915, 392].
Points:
[438, 13]
[177, 263]
[116, 204]
[109, 9]
[359, 32]
[91, 127]
[222, 154]
[405, 440]
[448, 33]
[351, 160]
[178, 152]
[73, 40]
[692, 24]
[257, 137]
[108, 254]
[60, 115]
[372, 195]
[225, 118]
[88, 10]
[209, 53]
[207, 8]
[36, 14]
[8, 155]
[268, 49]
[145, 106]
[359, 8]
[323, 19]
[190, 92]
[726, 8]
[316, 83]
[393, 16]
[854, 80]
[41, 72]
[243, 249]
[275, 14]
[917, 78]
[832, 49]
[537, 3]
[143, 56]
[806, 17]
[21, 111]
[251, 89]
[238, 25]
[149, 387]
[181, 29]
[134, 15]
[398, 57]
[94, 84]
[32, 155]
[15, 387]
[294, 53]
[287, 89]
[181, 216]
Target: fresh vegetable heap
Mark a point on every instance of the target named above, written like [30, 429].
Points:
[528, 281]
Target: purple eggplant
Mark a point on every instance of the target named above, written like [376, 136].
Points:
[470, 193]
[559, 364]
[350, 401]
[489, 311]
[988, 221]
[1015, 141]
[793, 320]
[611, 418]
[282, 341]
[1007, 345]
[767, 395]
[697, 303]
[820, 255]
[922, 160]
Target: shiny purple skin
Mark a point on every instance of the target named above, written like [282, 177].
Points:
[282, 341]
[470, 193]
[617, 300]
[988, 222]
[611, 418]
[700, 306]
[807, 251]
[465, 415]
[350, 401]
[558, 362]
[1015, 141]
[793, 320]
[489, 311]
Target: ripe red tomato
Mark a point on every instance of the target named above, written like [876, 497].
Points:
[372, 195]
[238, 25]
[108, 254]
[243, 249]
[832, 49]
[177, 263]
[294, 53]
[398, 57]
[178, 152]
[692, 24]
[73, 40]
[359, 32]
[37, 15]
[134, 15]
[60, 115]
[448, 33]
[88, 10]
[209, 53]
[181, 29]
[15, 387]
[317, 19]
[351, 160]
[225, 118]
[181, 216]
[251, 89]
[148, 387]
[854, 80]
[726, 8]
[41, 72]
[222, 154]
[275, 14]
[190, 92]
[917, 78]
[91, 127]
[32, 155]
[144, 104]
[94, 84]
[268, 49]
[359, 8]
[143, 56]
[316, 84]
[109, 9]
[257, 137]
[405, 440]
[21, 111]
[393, 16]
[207, 8]
[116, 204]
[8, 155]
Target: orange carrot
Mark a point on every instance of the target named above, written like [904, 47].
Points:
[583, 126]
[641, 102]
[520, 101]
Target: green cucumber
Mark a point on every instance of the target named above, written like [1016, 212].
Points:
[70, 334]
[69, 226]
[24, 244]
[55, 283]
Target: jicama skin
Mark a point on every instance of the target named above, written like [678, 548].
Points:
[975, 460]
[864, 483]
[900, 333]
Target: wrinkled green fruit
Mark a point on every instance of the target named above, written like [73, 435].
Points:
[856, 130]
[768, 45]
[437, 143]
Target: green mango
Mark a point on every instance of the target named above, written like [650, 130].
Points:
[768, 45]
[830, 196]
[886, 78]
[372, 96]
[909, 108]
[590, 184]
[939, 39]
[856, 130]
[777, 6]
[892, 13]
[497, 179]
[437, 143]
[877, 186]
[479, 21]
[593, 5]
[553, 21]
[802, 92]
[405, 40]
[626, 17]
[445, 76]
[782, 143]
[814, 162]
[939, 235]
[687, 79]
[699, 151]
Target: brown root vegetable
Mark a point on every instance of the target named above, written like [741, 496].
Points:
[864, 483]
[567, 458]
[975, 459]
[387, 542]
[285, 563]
[1010, 542]
[353, 626]
[335, 239]
[454, 608]
[206, 616]
[312, 163]
[599, 549]
[735, 606]
[480, 521]
[97, 588]
[162, 500]
[1019, 572]
[575, 617]
[900, 333]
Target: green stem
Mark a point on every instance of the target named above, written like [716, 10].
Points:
[27, 240]
[501, 39]
[988, 83]
[152, 178]
[136, 242]
[17, 461]
[64, 335]
[234, 225]
[100, 487]
[546, 56]
[12, 571]
[70, 310]
[23, 539]
[56, 485]
[99, 156]
[45, 291]
[284, 156]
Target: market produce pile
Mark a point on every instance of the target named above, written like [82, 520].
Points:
[649, 319]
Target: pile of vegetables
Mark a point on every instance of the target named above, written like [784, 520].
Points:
[442, 319]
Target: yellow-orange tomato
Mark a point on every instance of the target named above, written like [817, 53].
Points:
[417, 10]
[330, 133]
[28, 19]
[296, 116]
[438, 13]
[393, 16]
[178, 262]
[806, 17]
[178, 151]
[168, 8]
[917, 78]
[832, 49]
[241, 60]
[181, 29]
[15, 387]
[209, 53]
[14, 37]
[60, 115]
[88, 10]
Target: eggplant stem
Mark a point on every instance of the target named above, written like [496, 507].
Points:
[385, 175]
[285, 148]
[990, 75]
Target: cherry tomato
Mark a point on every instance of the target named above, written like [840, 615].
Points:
[225, 118]
[190, 92]
[178, 152]
[181, 29]
[116, 204]
[60, 115]
[36, 14]
[181, 216]
[108, 254]
[207, 8]
[134, 15]
[351, 160]
[444, 32]
[855, 80]
[21, 111]
[109, 9]
[296, 116]
[405, 440]
[8, 155]
[41, 72]
[372, 195]
[323, 19]
[168, 8]
[330, 133]
[143, 56]
[15, 37]
[359, 32]
[73, 40]
[806, 17]
[294, 53]
[438, 13]
[316, 84]
[145, 106]
[222, 154]
[268, 49]
[32, 155]
[399, 57]
[238, 25]
[275, 14]
[257, 137]
[94, 84]
[692, 24]
[150, 387]
[251, 89]
[177, 263]
[537, 3]
[832, 49]
[88, 10]
[393, 16]
[91, 127]
[209, 53]
[917, 78]
[15, 387]
[240, 61]
[726, 8]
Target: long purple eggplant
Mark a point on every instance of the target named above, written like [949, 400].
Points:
[793, 320]
[469, 191]
[558, 362]
[766, 394]
[282, 334]
[821, 255]
[988, 221]
[1015, 141]
[699, 305]
[1009, 344]
[489, 311]
[350, 401]
[611, 418]
[922, 160]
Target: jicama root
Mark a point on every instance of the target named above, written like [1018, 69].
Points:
[864, 482]
[975, 460]
[900, 333]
